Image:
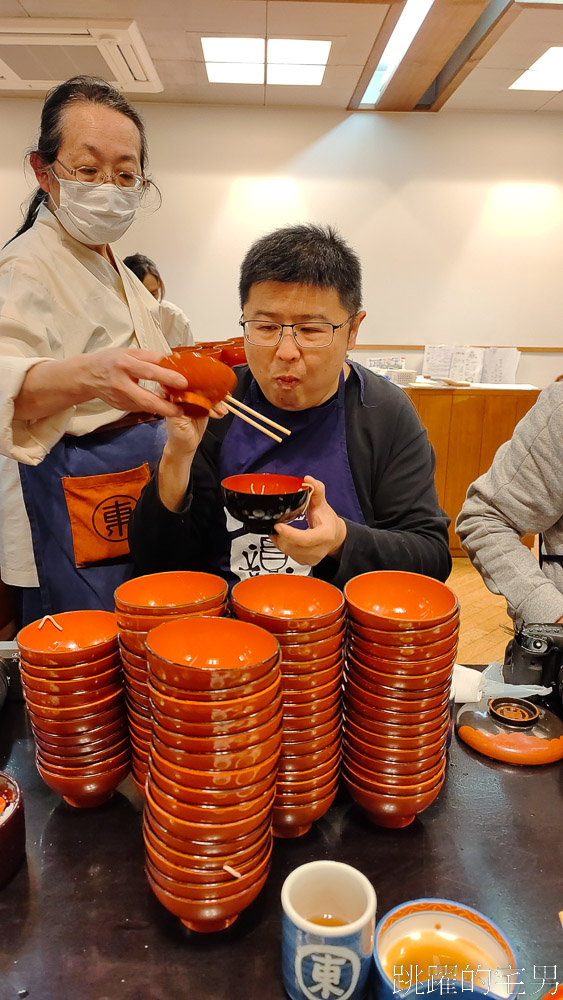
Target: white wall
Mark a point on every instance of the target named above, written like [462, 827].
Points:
[457, 217]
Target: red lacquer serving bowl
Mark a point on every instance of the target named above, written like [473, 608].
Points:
[169, 592]
[221, 766]
[209, 381]
[286, 603]
[222, 781]
[295, 820]
[210, 653]
[69, 638]
[209, 866]
[392, 811]
[210, 915]
[395, 600]
[406, 657]
[235, 709]
[213, 744]
[77, 671]
[408, 637]
[85, 792]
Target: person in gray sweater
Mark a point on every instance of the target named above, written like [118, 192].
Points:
[522, 493]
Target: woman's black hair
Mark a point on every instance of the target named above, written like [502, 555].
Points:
[141, 266]
[77, 90]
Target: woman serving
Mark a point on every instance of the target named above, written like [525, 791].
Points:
[80, 343]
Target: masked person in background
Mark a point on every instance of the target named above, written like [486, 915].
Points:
[174, 323]
[79, 346]
[356, 436]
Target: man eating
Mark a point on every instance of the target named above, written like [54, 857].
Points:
[354, 436]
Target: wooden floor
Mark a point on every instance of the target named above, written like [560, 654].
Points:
[482, 638]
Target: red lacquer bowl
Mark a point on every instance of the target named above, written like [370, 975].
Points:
[170, 593]
[391, 811]
[286, 603]
[210, 653]
[77, 637]
[209, 381]
[207, 916]
[395, 600]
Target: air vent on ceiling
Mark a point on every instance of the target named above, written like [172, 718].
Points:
[37, 53]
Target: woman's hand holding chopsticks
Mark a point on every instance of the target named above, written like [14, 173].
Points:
[325, 535]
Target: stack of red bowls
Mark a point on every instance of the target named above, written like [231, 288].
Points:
[402, 641]
[307, 618]
[142, 604]
[73, 687]
[216, 703]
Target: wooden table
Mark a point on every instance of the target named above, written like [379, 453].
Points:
[79, 921]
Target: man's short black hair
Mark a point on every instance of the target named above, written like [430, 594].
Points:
[306, 254]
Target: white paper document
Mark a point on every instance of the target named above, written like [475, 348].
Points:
[500, 365]
[437, 360]
[467, 364]
[491, 365]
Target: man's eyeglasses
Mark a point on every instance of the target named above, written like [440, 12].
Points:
[94, 176]
[264, 334]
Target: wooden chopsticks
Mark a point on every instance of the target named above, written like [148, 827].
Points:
[232, 405]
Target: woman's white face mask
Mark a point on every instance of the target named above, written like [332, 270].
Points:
[96, 214]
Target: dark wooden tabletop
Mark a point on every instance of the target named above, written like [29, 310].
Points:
[79, 922]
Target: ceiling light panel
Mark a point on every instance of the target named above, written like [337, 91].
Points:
[233, 50]
[545, 74]
[235, 72]
[294, 76]
[297, 51]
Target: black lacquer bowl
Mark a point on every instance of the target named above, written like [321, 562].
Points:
[12, 827]
[261, 500]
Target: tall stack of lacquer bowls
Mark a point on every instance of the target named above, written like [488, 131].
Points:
[73, 687]
[215, 694]
[402, 641]
[142, 604]
[307, 618]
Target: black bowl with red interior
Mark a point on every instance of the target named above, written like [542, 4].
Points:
[261, 500]
[12, 827]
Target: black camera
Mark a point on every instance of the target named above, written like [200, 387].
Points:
[535, 656]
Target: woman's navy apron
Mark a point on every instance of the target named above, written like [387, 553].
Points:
[317, 447]
[62, 585]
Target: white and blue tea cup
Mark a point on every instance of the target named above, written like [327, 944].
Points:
[327, 933]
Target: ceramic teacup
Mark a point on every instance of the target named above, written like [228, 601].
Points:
[328, 928]
[440, 947]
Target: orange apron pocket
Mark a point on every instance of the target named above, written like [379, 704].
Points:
[99, 508]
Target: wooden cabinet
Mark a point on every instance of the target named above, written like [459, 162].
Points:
[465, 427]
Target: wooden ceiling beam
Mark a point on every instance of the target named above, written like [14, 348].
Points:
[385, 32]
[453, 75]
[443, 30]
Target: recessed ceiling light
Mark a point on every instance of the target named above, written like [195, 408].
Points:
[298, 51]
[409, 22]
[295, 76]
[545, 74]
[291, 61]
[224, 72]
[233, 50]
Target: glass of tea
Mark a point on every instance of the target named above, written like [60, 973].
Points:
[445, 948]
[327, 932]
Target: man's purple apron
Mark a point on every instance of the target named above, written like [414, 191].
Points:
[317, 447]
[64, 586]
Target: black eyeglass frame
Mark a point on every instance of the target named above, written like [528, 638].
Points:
[291, 326]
